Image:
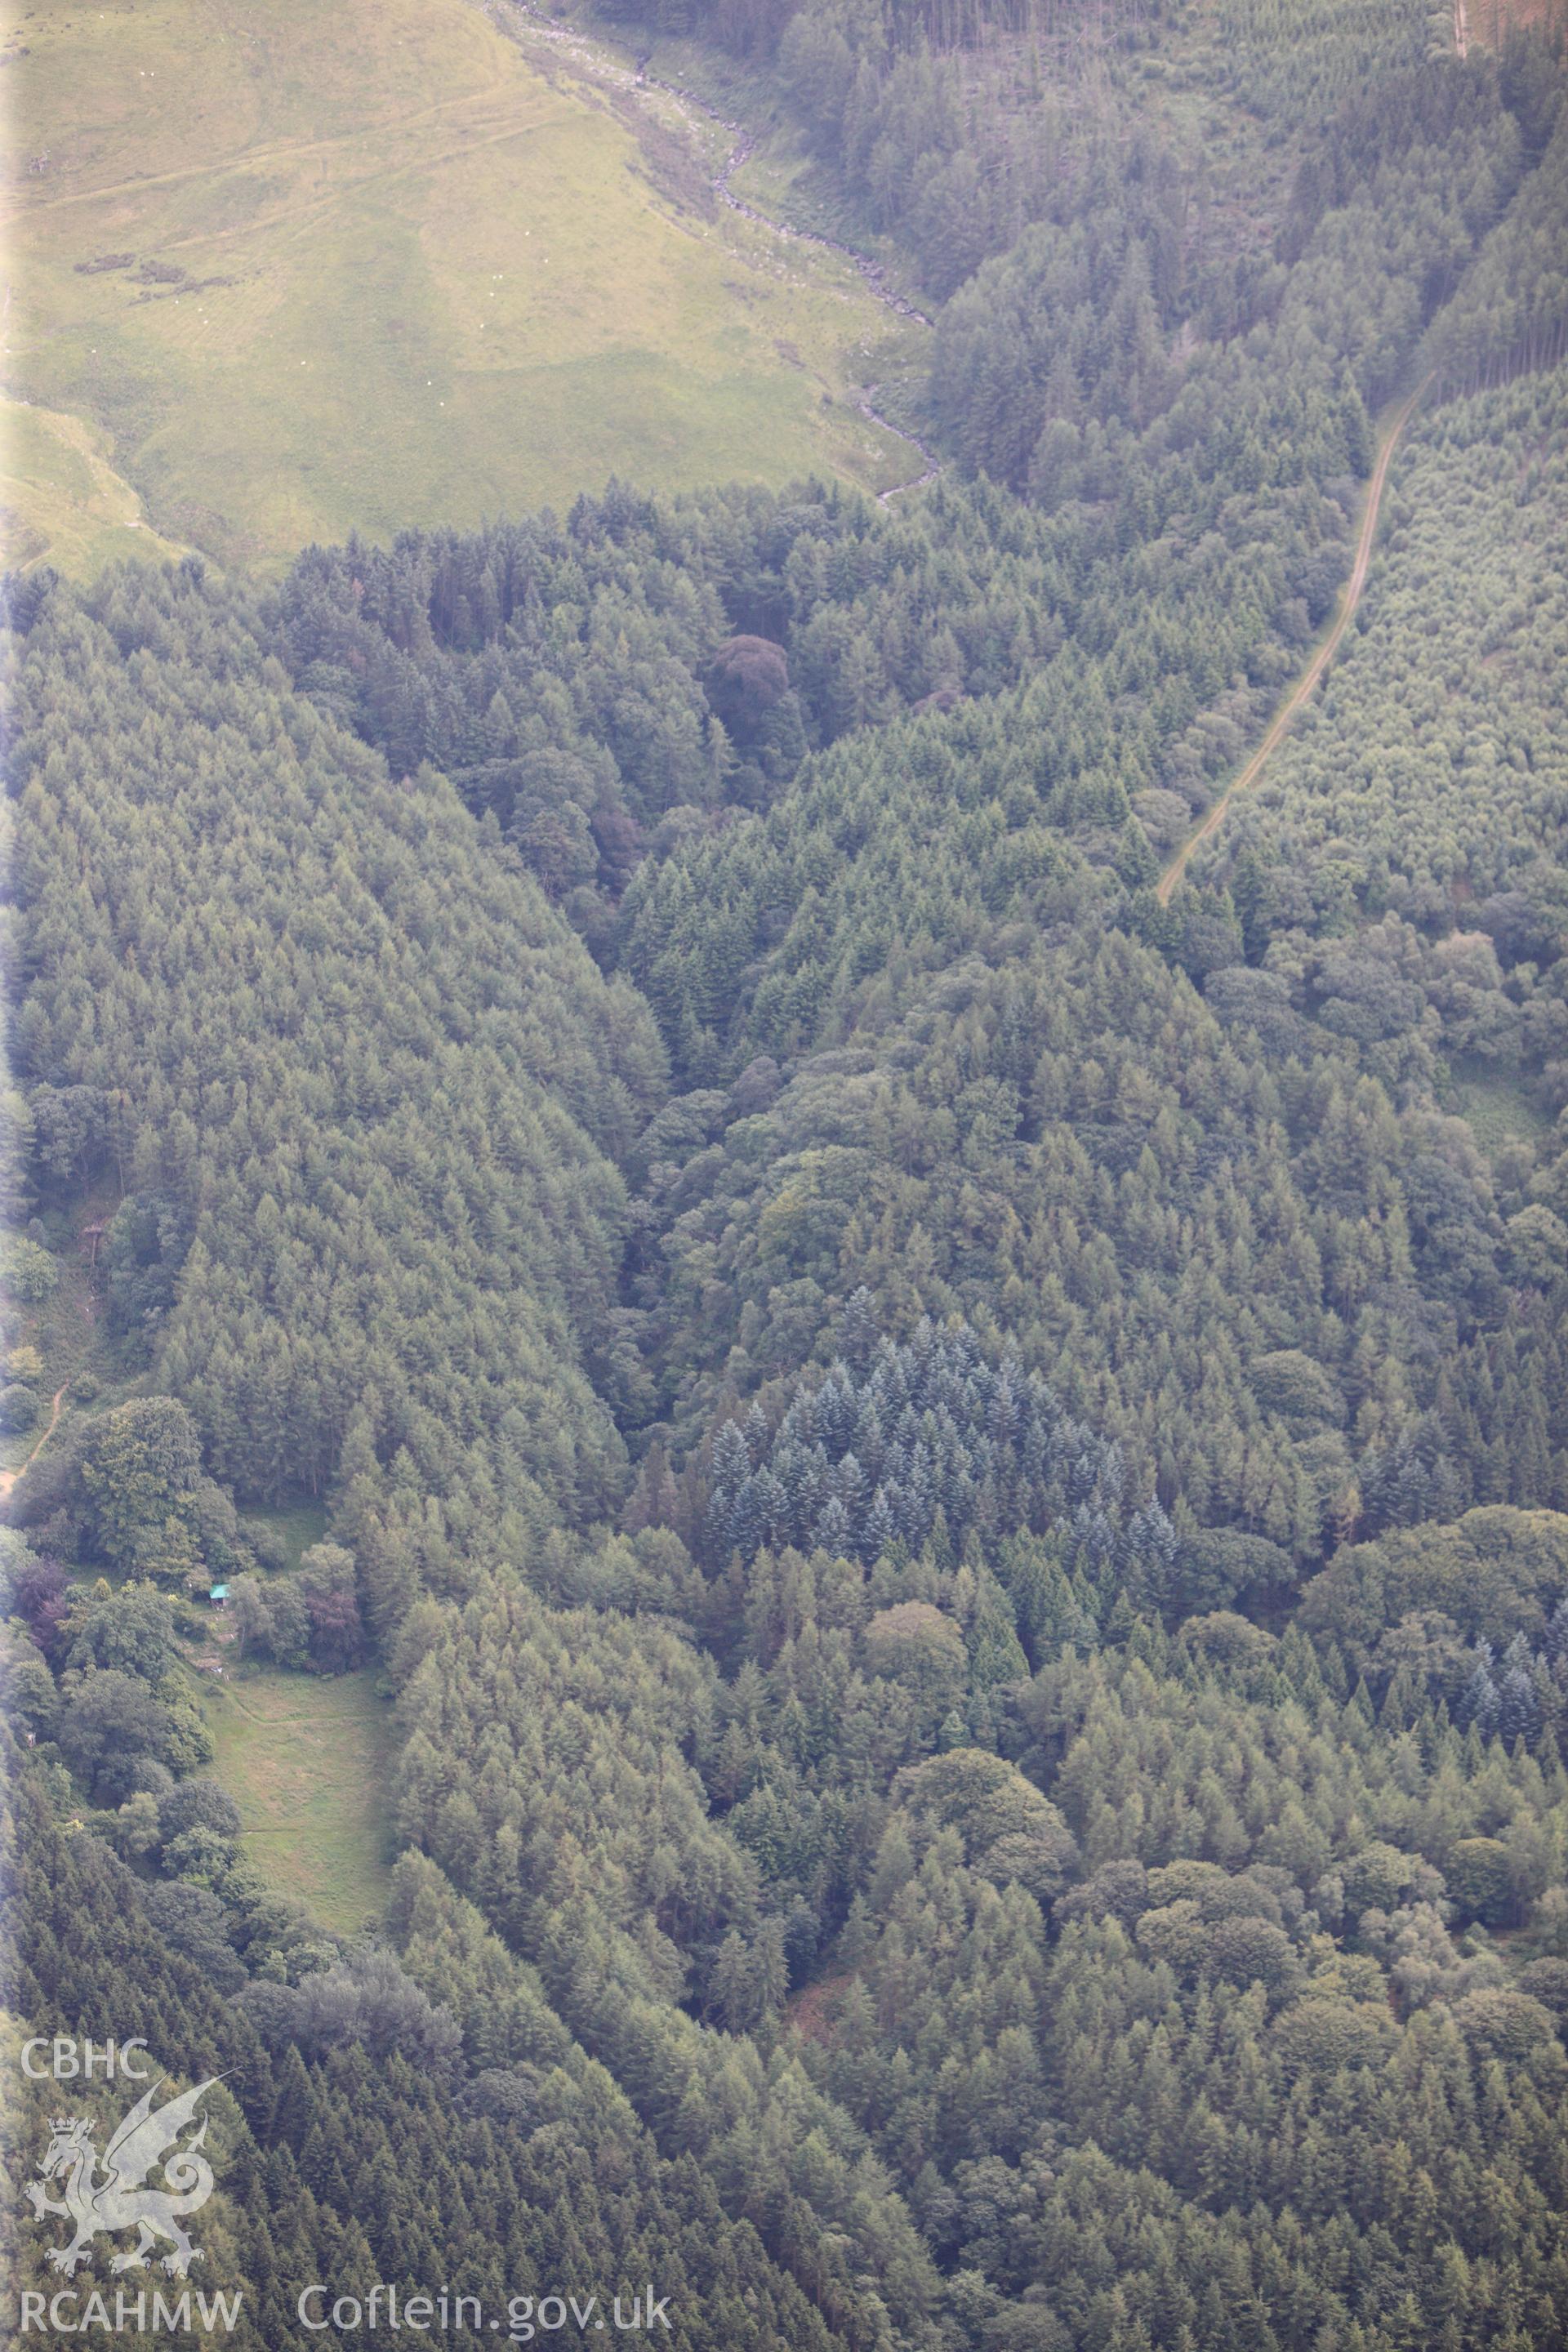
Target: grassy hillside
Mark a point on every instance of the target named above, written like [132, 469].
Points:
[60, 495]
[318, 269]
[305, 1759]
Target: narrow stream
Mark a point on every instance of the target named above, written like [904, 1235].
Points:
[869, 273]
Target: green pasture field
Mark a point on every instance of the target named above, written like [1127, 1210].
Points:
[305, 1758]
[300, 270]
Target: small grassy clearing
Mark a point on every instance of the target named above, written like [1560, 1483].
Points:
[1496, 1107]
[295, 1526]
[306, 1759]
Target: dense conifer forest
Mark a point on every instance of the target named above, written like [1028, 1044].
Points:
[954, 1470]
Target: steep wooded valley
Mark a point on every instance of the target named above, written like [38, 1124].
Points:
[945, 1469]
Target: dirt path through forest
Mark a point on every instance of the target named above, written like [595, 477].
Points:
[9, 1477]
[1349, 597]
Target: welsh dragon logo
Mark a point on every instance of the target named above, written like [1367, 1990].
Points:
[120, 2200]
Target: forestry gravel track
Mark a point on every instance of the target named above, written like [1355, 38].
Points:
[8, 1478]
[1349, 597]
